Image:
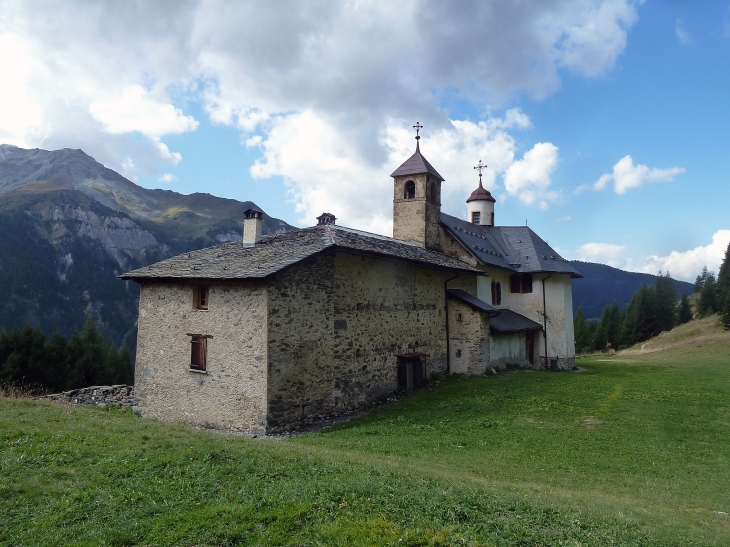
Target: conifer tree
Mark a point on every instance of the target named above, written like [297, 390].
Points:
[700, 280]
[684, 312]
[600, 339]
[580, 331]
[723, 289]
[707, 302]
[666, 302]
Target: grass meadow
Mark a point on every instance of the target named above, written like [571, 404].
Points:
[634, 450]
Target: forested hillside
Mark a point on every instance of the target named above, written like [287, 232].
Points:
[603, 284]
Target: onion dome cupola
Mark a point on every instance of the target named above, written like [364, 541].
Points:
[481, 203]
[417, 200]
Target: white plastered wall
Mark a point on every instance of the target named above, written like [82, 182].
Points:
[559, 304]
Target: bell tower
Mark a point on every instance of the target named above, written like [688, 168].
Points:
[417, 200]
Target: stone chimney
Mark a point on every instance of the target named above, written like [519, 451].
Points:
[252, 227]
[325, 218]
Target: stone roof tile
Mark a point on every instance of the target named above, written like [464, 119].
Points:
[276, 252]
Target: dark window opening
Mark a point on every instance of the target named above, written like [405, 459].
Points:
[514, 283]
[520, 283]
[526, 283]
[198, 351]
[201, 297]
[409, 191]
[475, 217]
[411, 371]
[492, 223]
[496, 293]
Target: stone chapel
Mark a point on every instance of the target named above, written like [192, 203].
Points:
[257, 336]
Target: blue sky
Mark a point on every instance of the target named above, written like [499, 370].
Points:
[603, 122]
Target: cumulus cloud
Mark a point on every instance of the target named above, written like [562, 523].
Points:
[167, 178]
[325, 171]
[528, 179]
[276, 70]
[687, 264]
[603, 253]
[627, 175]
[136, 111]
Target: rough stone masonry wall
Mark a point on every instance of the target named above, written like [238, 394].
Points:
[301, 325]
[231, 394]
[338, 328]
[469, 339]
[121, 396]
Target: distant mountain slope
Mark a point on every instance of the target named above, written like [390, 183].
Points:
[69, 226]
[603, 284]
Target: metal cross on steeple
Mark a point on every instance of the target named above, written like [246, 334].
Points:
[417, 127]
[480, 167]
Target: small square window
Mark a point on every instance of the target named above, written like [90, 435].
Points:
[476, 217]
[201, 297]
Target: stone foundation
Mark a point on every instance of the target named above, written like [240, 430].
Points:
[121, 396]
[564, 363]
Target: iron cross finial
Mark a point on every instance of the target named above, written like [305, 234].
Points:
[417, 127]
[480, 167]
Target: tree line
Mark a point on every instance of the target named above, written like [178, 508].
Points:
[653, 310]
[29, 359]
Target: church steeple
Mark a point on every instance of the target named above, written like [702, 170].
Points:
[417, 200]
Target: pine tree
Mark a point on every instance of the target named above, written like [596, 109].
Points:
[600, 340]
[725, 311]
[666, 302]
[723, 290]
[700, 280]
[580, 331]
[613, 327]
[707, 302]
[684, 312]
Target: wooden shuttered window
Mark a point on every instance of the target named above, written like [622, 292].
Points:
[199, 351]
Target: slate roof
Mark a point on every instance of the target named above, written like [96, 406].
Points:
[510, 321]
[473, 301]
[276, 252]
[515, 248]
[416, 165]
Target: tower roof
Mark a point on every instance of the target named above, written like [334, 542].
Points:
[480, 194]
[416, 165]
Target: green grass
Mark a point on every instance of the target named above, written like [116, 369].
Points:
[623, 454]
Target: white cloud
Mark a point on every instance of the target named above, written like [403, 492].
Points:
[136, 111]
[121, 68]
[325, 171]
[603, 253]
[688, 264]
[528, 179]
[167, 178]
[684, 37]
[627, 175]
[562, 219]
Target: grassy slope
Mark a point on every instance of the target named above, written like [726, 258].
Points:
[623, 454]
